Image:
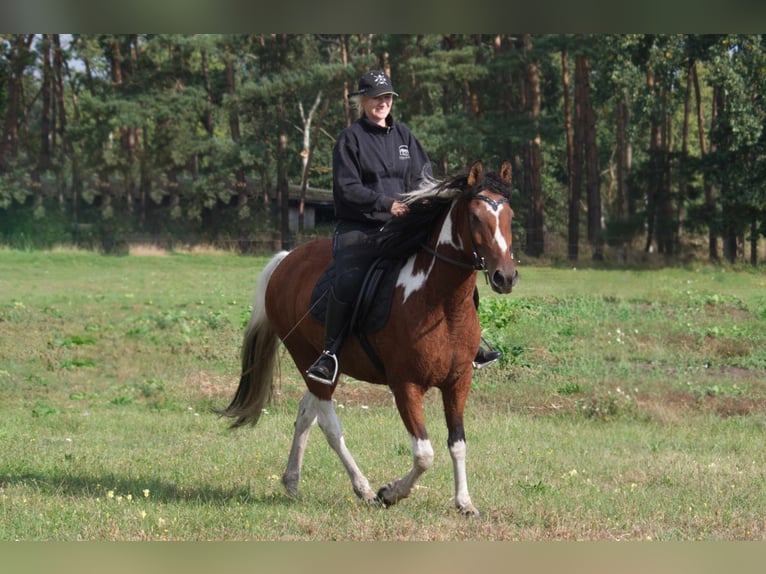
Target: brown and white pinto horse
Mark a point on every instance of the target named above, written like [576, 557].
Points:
[454, 228]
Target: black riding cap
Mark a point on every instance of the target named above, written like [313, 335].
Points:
[373, 84]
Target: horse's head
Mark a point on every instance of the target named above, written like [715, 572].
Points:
[489, 218]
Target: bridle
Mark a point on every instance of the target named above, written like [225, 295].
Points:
[478, 261]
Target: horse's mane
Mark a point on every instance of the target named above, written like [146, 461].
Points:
[428, 205]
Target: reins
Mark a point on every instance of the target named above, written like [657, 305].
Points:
[478, 266]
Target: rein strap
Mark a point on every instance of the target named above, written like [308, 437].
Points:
[478, 266]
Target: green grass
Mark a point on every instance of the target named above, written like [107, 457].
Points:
[629, 406]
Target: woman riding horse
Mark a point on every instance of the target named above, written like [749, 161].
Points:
[375, 162]
[453, 229]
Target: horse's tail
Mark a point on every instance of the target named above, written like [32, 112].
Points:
[259, 353]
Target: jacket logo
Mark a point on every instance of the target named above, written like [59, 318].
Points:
[404, 152]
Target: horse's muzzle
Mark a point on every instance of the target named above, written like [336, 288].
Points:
[504, 282]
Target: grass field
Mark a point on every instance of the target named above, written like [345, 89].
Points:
[630, 405]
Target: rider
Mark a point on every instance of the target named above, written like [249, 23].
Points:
[375, 161]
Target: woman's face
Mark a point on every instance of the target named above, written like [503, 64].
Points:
[377, 109]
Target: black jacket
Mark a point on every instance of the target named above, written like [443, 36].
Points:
[373, 166]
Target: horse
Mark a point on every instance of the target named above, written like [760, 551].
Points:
[455, 227]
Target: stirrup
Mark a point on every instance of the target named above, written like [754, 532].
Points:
[312, 373]
[488, 357]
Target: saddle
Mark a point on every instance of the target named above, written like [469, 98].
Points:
[372, 306]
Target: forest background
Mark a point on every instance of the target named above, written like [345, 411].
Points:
[622, 144]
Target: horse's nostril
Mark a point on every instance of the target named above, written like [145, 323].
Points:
[504, 282]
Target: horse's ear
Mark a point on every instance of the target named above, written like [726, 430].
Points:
[505, 172]
[476, 174]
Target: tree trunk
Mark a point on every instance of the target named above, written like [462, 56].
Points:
[573, 234]
[349, 112]
[283, 194]
[578, 158]
[652, 184]
[309, 147]
[754, 240]
[46, 86]
[666, 221]
[9, 141]
[626, 205]
[681, 208]
[240, 183]
[535, 246]
[306, 154]
[730, 242]
[711, 190]
[593, 180]
[59, 107]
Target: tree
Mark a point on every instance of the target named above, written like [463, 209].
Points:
[190, 135]
[535, 225]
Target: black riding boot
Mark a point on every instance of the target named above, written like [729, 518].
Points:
[484, 357]
[325, 368]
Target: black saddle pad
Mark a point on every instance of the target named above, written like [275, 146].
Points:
[373, 305]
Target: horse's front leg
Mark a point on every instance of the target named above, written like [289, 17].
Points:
[409, 401]
[454, 399]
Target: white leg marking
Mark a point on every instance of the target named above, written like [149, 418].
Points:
[330, 425]
[422, 454]
[422, 460]
[307, 417]
[462, 498]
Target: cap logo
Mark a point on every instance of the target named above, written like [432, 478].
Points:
[380, 79]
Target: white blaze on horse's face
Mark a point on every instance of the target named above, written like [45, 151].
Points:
[495, 211]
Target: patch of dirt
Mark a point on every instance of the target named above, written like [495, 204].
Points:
[212, 385]
[357, 393]
[674, 406]
[726, 310]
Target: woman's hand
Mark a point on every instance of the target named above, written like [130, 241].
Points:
[398, 208]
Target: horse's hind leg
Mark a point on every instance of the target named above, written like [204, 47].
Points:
[307, 417]
[330, 425]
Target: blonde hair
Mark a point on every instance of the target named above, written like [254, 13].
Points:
[356, 104]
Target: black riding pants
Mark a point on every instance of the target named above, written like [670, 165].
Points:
[354, 250]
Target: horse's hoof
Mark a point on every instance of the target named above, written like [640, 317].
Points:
[381, 499]
[368, 498]
[291, 486]
[469, 510]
